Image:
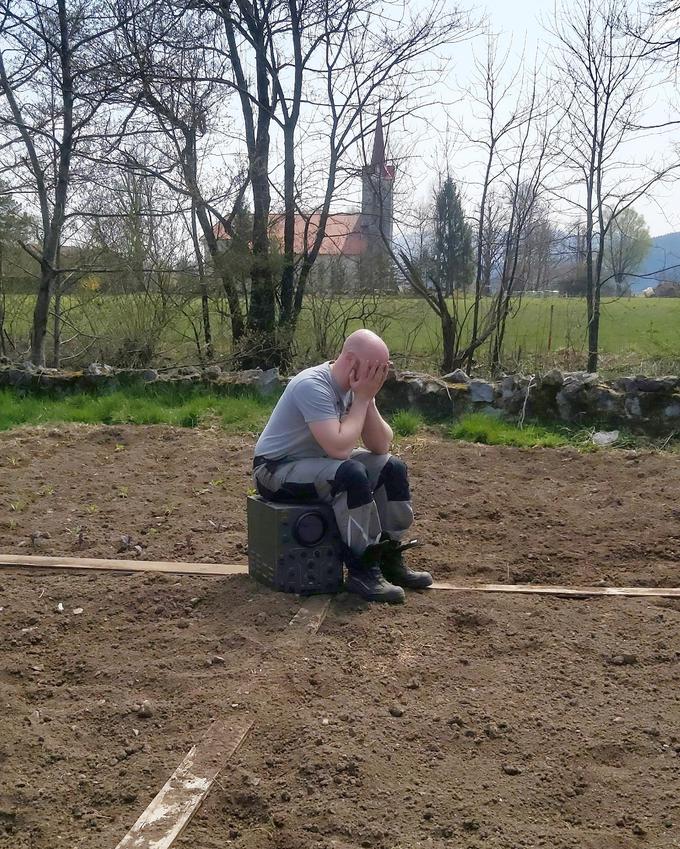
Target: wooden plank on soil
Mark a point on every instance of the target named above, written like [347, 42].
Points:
[311, 615]
[548, 589]
[170, 811]
[179, 568]
[315, 607]
[180, 797]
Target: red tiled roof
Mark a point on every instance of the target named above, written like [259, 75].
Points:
[343, 236]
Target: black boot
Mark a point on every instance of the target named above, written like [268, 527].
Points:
[394, 568]
[366, 579]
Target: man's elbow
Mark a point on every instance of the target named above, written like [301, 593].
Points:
[339, 453]
[378, 447]
[335, 449]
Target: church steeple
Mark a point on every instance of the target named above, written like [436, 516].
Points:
[377, 191]
[378, 156]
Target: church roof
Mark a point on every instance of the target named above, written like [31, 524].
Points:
[343, 235]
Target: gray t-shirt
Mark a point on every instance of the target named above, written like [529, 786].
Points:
[311, 396]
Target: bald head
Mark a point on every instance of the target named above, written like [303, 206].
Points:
[366, 345]
[362, 346]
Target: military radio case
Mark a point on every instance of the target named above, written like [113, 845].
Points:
[295, 548]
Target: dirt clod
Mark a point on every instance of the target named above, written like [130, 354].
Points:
[145, 710]
[511, 769]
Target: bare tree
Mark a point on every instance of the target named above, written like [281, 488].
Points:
[525, 175]
[503, 114]
[54, 82]
[175, 70]
[439, 269]
[602, 77]
[203, 285]
[660, 38]
[414, 262]
[15, 226]
[492, 217]
[514, 138]
[134, 229]
[538, 258]
[319, 72]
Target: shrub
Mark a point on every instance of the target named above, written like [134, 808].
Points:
[406, 422]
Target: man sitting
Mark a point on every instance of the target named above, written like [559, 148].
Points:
[307, 452]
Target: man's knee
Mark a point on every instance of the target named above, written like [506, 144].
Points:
[394, 477]
[352, 477]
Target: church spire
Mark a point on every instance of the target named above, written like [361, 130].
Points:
[377, 180]
[378, 157]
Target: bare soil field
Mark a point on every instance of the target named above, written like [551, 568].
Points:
[456, 720]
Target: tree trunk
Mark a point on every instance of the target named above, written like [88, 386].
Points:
[41, 314]
[205, 312]
[3, 350]
[288, 272]
[262, 313]
[203, 283]
[590, 286]
[594, 333]
[56, 335]
[594, 324]
[52, 238]
[497, 345]
[448, 343]
[478, 272]
[200, 213]
[499, 335]
[220, 261]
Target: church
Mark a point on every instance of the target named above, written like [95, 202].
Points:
[352, 256]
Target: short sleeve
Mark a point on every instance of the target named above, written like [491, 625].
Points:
[315, 400]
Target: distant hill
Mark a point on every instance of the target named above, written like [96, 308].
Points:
[664, 252]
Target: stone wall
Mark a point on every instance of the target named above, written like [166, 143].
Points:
[99, 376]
[643, 404]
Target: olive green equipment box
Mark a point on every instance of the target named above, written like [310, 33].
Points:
[295, 548]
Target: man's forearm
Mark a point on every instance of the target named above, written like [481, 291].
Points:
[377, 434]
[352, 425]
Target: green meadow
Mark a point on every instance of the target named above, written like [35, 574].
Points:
[637, 334]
